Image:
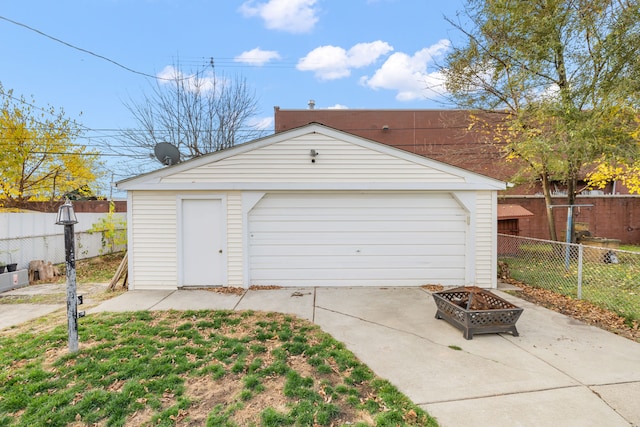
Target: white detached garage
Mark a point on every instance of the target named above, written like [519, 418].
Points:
[312, 206]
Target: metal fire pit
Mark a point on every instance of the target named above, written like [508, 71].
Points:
[476, 311]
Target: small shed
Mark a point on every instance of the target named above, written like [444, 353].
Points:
[509, 217]
[312, 206]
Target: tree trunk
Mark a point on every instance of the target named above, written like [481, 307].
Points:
[546, 190]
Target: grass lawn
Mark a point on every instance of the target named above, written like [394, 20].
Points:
[193, 368]
[614, 287]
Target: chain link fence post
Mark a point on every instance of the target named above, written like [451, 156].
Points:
[580, 255]
[608, 277]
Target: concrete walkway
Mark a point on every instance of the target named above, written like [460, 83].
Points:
[52, 297]
[558, 372]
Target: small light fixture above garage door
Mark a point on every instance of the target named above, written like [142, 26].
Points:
[313, 155]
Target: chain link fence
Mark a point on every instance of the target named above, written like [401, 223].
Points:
[606, 277]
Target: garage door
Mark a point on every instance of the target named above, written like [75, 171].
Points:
[357, 239]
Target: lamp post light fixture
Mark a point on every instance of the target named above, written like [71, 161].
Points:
[67, 217]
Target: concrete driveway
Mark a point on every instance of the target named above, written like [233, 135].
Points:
[558, 372]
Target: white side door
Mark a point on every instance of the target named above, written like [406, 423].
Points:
[203, 259]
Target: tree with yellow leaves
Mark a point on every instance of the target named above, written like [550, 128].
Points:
[39, 158]
[625, 169]
[564, 77]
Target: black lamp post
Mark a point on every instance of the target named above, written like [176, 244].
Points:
[67, 217]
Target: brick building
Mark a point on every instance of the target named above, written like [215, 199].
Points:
[445, 135]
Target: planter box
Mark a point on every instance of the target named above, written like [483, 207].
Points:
[14, 280]
[476, 311]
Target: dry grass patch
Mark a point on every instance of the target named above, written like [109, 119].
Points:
[582, 310]
[213, 368]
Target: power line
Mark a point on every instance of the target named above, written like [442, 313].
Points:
[120, 134]
[122, 131]
[71, 153]
[225, 62]
[85, 50]
[22, 101]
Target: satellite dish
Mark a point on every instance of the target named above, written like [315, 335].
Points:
[167, 154]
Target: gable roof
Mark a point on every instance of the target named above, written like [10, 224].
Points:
[281, 162]
[443, 135]
[509, 211]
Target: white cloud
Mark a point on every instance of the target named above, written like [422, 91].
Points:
[194, 83]
[261, 123]
[328, 62]
[333, 62]
[257, 56]
[294, 16]
[409, 75]
[338, 107]
[169, 73]
[364, 54]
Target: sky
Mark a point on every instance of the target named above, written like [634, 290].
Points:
[91, 57]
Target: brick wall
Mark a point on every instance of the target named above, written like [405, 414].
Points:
[89, 206]
[611, 217]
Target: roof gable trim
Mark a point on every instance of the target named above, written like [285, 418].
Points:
[155, 177]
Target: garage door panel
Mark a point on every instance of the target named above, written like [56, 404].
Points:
[364, 225]
[302, 274]
[355, 250]
[434, 208]
[353, 277]
[357, 262]
[357, 239]
[390, 239]
[437, 201]
[383, 214]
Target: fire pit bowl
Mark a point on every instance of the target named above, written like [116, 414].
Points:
[476, 311]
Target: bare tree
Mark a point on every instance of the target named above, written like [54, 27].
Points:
[199, 113]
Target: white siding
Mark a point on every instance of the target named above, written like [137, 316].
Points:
[234, 239]
[485, 250]
[289, 161]
[152, 239]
